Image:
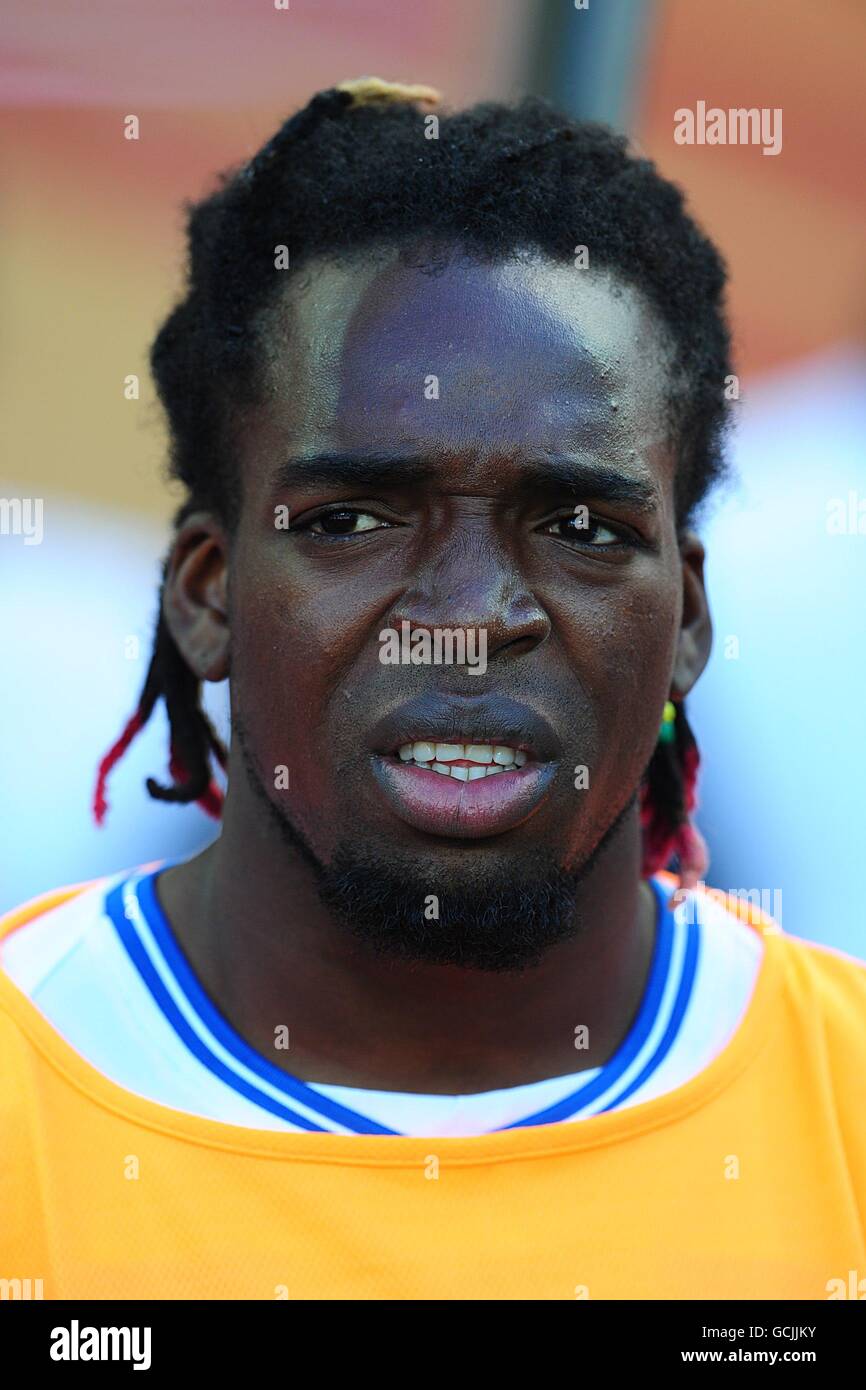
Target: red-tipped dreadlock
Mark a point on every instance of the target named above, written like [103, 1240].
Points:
[192, 736]
[668, 798]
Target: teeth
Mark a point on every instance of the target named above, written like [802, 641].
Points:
[489, 758]
[447, 752]
[479, 753]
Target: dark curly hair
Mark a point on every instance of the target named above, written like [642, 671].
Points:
[353, 169]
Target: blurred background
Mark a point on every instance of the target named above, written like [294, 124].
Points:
[93, 260]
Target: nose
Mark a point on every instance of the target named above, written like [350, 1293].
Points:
[471, 580]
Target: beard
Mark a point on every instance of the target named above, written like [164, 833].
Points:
[401, 909]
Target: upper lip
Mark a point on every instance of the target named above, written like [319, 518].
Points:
[439, 718]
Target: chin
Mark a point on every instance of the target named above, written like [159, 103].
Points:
[461, 907]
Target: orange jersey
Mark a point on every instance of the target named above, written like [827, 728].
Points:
[747, 1182]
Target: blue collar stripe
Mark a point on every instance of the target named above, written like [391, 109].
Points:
[115, 909]
[637, 1036]
[684, 993]
[222, 1030]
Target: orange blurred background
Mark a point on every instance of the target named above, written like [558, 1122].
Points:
[93, 247]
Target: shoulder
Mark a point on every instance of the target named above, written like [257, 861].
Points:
[829, 985]
[43, 905]
[822, 986]
[57, 949]
[819, 1008]
[814, 972]
[38, 936]
[51, 950]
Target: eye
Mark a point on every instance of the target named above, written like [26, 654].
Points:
[343, 521]
[584, 530]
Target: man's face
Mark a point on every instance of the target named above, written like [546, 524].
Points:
[492, 441]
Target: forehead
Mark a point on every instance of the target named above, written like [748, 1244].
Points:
[481, 360]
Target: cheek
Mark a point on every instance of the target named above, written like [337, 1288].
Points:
[624, 626]
[281, 677]
[645, 643]
[297, 645]
[623, 644]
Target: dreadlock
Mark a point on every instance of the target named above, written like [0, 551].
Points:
[192, 736]
[667, 800]
[353, 169]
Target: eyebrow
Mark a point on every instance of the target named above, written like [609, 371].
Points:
[389, 471]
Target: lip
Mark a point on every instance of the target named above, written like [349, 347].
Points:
[462, 810]
[439, 805]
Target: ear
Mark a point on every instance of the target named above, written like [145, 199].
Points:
[696, 631]
[195, 596]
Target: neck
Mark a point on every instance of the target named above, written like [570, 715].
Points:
[248, 917]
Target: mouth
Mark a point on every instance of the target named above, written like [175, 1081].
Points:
[469, 784]
[466, 762]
